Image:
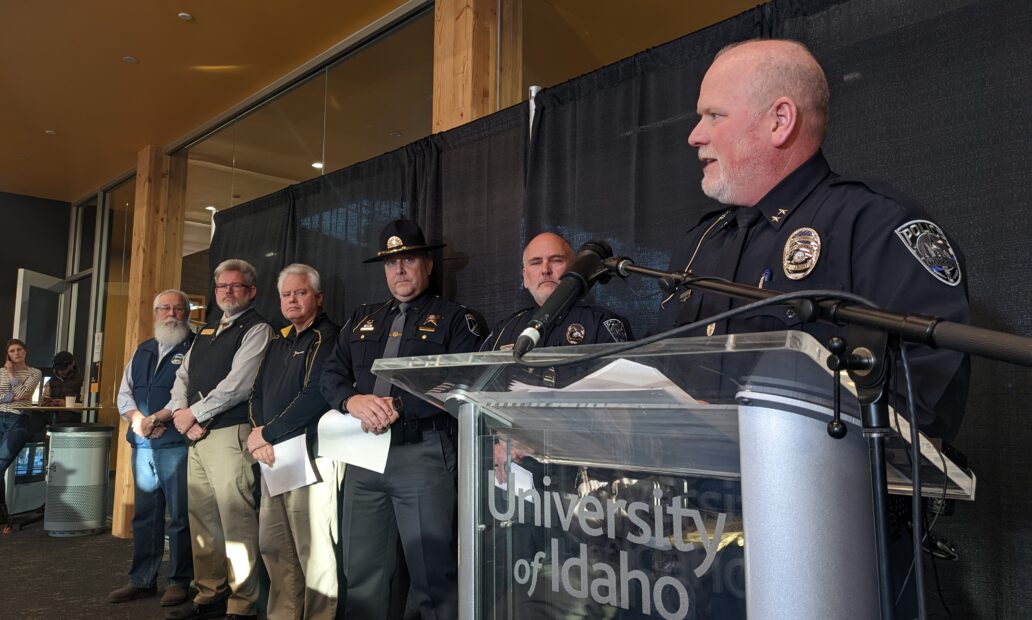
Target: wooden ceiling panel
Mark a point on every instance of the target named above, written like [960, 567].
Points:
[62, 70]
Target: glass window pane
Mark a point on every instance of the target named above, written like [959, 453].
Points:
[88, 214]
[381, 97]
[115, 297]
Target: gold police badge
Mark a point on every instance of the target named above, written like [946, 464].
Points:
[575, 333]
[394, 242]
[802, 250]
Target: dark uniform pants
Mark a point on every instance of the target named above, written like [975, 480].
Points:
[412, 501]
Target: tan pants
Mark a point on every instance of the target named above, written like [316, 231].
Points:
[298, 535]
[223, 520]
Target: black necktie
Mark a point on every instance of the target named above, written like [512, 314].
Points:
[382, 387]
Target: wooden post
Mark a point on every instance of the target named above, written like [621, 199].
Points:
[510, 58]
[465, 61]
[155, 265]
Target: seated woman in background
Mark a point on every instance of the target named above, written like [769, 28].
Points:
[17, 384]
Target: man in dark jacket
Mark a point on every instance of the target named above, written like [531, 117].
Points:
[159, 456]
[297, 529]
[209, 404]
[413, 500]
[67, 381]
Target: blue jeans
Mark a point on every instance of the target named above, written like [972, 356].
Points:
[14, 433]
[160, 483]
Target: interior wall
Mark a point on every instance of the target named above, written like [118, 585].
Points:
[37, 239]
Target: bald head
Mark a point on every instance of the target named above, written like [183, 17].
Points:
[545, 260]
[763, 107]
[783, 68]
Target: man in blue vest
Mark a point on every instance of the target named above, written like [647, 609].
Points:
[209, 405]
[159, 456]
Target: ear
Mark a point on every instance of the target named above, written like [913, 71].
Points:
[785, 116]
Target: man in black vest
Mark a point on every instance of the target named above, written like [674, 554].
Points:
[298, 528]
[159, 456]
[209, 401]
[414, 499]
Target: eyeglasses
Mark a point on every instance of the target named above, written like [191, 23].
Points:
[234, 287]
[169, 308]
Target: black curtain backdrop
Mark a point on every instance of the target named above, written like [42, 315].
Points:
[931, 96]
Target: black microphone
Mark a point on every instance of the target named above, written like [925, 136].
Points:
[573, 285]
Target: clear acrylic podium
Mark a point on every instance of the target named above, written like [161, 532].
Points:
[717, 495]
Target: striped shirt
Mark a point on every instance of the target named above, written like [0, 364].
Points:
[18, 389]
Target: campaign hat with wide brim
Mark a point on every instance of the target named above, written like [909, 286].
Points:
[401, 236]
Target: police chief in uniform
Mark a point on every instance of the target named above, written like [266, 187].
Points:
[297, 529]
[414, 500]
[789, 223]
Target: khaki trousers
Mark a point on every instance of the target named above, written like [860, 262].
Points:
[298, 535]
[223, 520]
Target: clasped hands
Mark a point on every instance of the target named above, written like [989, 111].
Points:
[186, 423]
[376, 413]
[149, 426]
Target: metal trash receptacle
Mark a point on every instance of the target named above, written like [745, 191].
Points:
[77, 479]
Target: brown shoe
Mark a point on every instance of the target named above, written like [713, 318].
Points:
[130, 593]
[175, 594]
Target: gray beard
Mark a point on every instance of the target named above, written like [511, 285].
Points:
[229, 309]
[170, 332]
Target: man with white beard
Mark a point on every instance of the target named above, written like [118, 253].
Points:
[159, 456]
[209, 405]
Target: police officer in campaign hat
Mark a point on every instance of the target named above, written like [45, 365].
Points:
[788, 222]
[414, 500]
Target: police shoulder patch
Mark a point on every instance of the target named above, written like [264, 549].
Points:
[472, 324]
[616, 329]
[928, 243]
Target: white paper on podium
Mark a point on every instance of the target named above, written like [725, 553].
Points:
[292, 469]
[341, 438]
[619, 375]
[521, 479]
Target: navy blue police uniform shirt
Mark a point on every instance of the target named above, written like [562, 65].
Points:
[834, 233]
[433, 326]
[582, 324]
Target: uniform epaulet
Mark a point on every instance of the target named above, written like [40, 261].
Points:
[878, 187]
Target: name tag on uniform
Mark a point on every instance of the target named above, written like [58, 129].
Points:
[368, 326]
[208, 331]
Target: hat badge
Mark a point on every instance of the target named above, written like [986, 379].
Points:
[394, 242]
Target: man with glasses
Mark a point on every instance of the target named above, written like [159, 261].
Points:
[209, 401]
[159, 456]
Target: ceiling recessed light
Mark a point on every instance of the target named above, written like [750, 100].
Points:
[395, 134]
[20, 158]
[317, 165]
[130, 60]
[185, 16]
[211, 208]
[50, 132]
